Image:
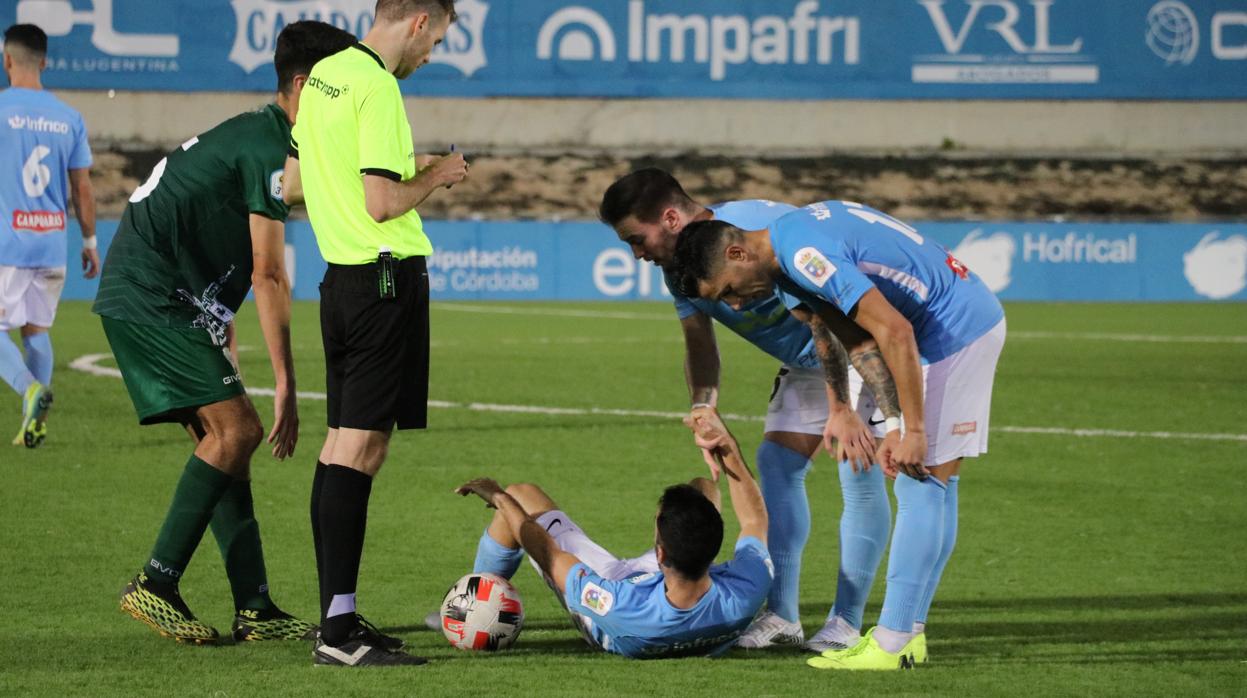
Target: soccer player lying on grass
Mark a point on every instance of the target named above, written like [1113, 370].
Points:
[817, 397]
[669, 602]
[921, 305]
[204, 229]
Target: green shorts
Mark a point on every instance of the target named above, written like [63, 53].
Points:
[170, 369]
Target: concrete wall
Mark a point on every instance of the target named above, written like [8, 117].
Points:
[780, 128]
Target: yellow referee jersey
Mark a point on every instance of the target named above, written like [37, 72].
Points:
[351, 122]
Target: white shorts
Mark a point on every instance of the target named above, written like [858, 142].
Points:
[958, 401]
[799, 402]
[572, 539]
[28, 296]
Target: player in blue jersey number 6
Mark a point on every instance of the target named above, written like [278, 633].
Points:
[44, 161]
[920, 305]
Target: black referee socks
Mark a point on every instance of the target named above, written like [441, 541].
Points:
[343, 519]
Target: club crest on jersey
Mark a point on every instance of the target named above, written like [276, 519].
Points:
[814, 266]
[596, 599]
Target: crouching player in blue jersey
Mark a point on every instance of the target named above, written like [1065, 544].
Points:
[920, 304]
[670, 602]
[811, 404]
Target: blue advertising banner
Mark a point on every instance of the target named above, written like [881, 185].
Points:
[1019, 261]
[751, 49]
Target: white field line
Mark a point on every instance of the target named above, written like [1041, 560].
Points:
[1013, 334]
[1133, 338]
[90, 364]
[553, 312]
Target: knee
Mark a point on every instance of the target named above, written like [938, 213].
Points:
[239, 439]
[530, 497]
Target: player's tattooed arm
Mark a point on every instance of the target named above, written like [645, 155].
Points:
[868, 360]
[833, 357]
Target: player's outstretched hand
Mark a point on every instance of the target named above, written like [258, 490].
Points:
[853, 440]
[483, 487]
[711, 435]
[906, 456]
[285, 432]
[90, 263]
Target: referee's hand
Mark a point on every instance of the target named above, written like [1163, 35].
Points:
[449, 170]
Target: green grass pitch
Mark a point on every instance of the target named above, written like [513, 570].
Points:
[1102, 564]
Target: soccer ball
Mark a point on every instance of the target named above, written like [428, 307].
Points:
[482, 611]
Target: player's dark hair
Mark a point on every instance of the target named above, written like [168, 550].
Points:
[690, 530]
[699, 252]
[28, 37]
[395, 10]
[302, 45]
[644, 194]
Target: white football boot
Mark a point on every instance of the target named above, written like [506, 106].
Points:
[769, 630]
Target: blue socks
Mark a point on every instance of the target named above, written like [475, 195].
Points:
[864, 528]
[783, 474]
[39, 356]
[946, 551]
[12, 367]
[496, 558]
[916, 550]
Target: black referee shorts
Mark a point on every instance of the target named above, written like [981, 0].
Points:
[376, 350]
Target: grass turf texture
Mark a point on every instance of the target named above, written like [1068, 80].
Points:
[1102, 565]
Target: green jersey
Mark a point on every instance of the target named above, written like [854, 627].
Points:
[182, 253]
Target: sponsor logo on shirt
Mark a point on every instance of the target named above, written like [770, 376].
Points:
[326, 89]
[39, 221]
[958, 268]
[38, 124]
[596, 599]
[963, 428]
[814, 266]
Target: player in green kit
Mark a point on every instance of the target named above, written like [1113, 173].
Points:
[206, 228]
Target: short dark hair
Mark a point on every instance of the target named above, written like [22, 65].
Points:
[699, 252]
[302, 45]
[28, 37]
[690, 530]
[401, 9]
[644, 194]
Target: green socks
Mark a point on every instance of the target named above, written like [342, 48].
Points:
[194, 501]
[238, 535]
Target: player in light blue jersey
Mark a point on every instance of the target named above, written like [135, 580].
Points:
[920, 304]
[44, 161]
[671, 601]
[648, 209]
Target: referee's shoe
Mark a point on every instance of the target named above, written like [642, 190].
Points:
[363, 647]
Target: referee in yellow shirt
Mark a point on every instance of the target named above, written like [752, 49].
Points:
[352, 163]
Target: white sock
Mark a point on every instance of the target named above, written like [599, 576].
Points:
[341, 605]
[890, 640]
[920, 627]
